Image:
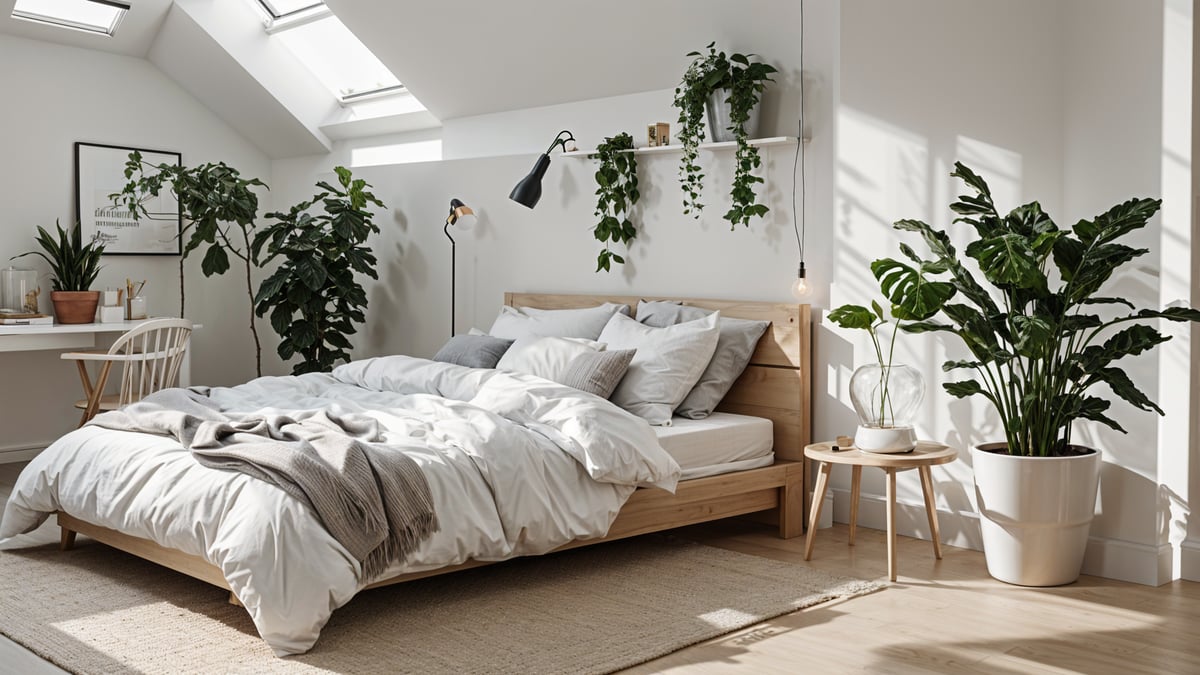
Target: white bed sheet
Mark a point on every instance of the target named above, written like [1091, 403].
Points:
[719, 443]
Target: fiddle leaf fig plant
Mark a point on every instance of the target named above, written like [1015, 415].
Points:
[314, 297]
[742, 82]
[1039, 347]
[616, 194]
[219, 208]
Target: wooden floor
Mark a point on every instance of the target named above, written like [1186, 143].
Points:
[943, 616]
[948, 616]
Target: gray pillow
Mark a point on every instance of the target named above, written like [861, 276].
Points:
[735, 345]
[598, 373]
[473, 351]
[586, 322]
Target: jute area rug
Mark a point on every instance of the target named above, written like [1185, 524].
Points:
[590, 610]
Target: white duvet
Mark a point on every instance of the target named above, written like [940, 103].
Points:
[517, 465]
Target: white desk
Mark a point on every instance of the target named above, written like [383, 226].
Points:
[65, 336]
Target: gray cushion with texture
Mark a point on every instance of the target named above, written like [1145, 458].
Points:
[736, 344]
[598, 373]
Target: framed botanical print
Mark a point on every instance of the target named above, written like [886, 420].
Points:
[100, 172]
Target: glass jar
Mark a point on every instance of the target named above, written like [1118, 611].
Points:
[886, 396]
[19, 290]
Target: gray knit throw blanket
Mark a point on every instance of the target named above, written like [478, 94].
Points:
[373, 500]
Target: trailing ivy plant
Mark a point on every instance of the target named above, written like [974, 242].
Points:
[1038, 346]
[218, 208]
[745, 81]
[314, 297]
[617, 192]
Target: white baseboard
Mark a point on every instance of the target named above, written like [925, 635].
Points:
[958, 529]
[20, 453]
[1105, 557]
[1128, 561]
[1189, 564]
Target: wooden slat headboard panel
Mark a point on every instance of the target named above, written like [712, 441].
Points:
[776, 384]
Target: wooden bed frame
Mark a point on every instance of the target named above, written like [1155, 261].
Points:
[776, 385]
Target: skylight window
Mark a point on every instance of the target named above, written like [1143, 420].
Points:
[92, 16]
[279, 9]
[338, 59]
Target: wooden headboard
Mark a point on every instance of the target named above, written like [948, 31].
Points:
[776, 384]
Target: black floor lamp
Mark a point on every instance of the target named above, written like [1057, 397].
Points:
[458, 215]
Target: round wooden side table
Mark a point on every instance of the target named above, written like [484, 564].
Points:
[925, 455]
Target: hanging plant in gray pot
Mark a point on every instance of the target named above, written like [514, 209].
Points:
[727, 90]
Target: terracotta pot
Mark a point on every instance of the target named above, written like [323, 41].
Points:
[75, 306]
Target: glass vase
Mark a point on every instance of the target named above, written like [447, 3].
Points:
[886, 399]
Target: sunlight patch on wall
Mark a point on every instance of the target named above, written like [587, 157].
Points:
[1000, 167]
[397, 153]
[882, 176]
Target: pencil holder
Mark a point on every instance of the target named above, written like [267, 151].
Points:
[135, 307]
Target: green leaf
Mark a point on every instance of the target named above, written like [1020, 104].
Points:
[216, 261]
[964, 389]
[914, 298]
[852, 316]
[1122, 386]
[1008, 260]
[311, 272]
[1089, 408]
[1171, 314]
[1034, 336]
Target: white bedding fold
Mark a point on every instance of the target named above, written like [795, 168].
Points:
[516, 465]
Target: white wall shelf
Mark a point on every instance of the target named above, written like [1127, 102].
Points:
[678, 148]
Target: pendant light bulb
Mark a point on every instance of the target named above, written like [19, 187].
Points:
[800, 287]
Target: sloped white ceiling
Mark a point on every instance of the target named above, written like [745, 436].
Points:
[471, 57]
[217, 50]
[133, 37]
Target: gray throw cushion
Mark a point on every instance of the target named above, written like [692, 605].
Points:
[735, 346]
[473, 351]
[598, 373]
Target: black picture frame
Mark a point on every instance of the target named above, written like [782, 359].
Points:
[100, 172]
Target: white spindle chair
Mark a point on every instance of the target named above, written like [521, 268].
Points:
[150, 356]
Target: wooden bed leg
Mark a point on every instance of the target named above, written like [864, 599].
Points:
[233, 600]
[791, 505]
[67, 542]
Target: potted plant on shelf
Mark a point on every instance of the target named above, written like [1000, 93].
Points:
[313, 296]
[1039, 348]
[616, 194]
[74, 267]
[885, 396]
[728, 90]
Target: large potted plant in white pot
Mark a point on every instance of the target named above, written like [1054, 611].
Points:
[1041, 344]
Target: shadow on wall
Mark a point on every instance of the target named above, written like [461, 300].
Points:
[401, 270]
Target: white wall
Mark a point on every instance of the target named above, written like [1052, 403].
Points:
[896, 92]
[921, 87]
[1060, 102]
[59, 95]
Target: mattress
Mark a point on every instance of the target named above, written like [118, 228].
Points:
[719, 443]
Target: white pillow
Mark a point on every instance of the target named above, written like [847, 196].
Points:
[668, 363]
[515, 324]
[546, 357]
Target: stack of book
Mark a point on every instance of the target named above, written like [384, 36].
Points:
[30, 319]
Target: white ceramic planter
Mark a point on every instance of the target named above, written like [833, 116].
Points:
[885, 439]
[1036, 512]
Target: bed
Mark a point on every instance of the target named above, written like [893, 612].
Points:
[774, 387]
